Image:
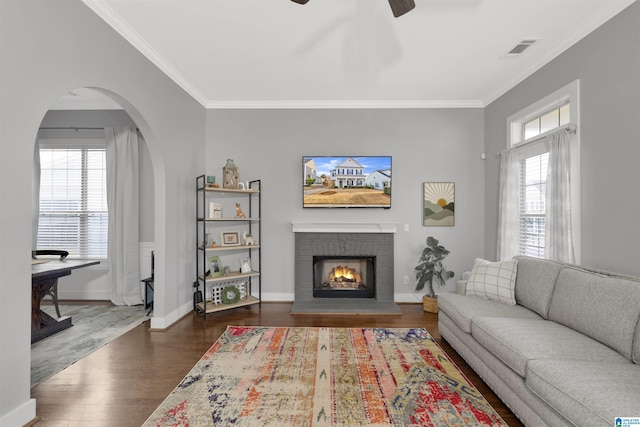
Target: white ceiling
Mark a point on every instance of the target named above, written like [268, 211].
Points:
[350, 53]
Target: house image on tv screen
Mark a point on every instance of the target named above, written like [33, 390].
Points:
[349, 173]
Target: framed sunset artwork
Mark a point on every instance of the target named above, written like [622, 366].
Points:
[439, 203]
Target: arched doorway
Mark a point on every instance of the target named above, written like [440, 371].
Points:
[75, 125]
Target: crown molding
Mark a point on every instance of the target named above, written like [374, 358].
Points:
[107, 14]
[342, 104]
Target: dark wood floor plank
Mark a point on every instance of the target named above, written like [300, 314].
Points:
[122, 383]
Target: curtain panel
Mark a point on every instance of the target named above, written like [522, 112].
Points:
[509, 205]
[123, 201]
[558, 237]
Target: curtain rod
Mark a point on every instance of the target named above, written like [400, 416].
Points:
[571, 128]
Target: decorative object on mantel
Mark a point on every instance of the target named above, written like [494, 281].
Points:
[438, 203]
[430, 266]
[230, 175]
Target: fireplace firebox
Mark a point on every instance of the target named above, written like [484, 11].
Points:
[344, 277]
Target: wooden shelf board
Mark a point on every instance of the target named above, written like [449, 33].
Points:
[232, 276]
[228, 248]
[229, 190]
[212, 308]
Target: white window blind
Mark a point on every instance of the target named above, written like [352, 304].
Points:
[73, 199]
[532, 205]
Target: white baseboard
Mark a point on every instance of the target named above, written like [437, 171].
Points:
[171, 318]
[414, 298]
[20, 416]
[279, 297]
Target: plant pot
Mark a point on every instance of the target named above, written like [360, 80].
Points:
[430, 304]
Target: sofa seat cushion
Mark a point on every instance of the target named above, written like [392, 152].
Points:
[587, 393]
[518, 341]
[462, 308]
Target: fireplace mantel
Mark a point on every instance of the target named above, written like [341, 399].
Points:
[343, 227]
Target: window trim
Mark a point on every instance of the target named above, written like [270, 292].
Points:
[515, 139]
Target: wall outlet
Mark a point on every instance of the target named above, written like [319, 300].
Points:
[406, 227]
[406, 280]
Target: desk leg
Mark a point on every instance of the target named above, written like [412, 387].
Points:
[43, 325]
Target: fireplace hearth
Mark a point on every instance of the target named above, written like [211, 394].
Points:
[344, 269]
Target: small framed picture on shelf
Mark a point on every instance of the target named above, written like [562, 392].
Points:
[215, 268]
[245, 265]
[230, 238]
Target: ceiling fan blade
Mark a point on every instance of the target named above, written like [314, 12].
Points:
[400, 7]
[300, 1]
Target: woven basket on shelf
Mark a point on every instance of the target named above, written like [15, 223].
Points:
[430, 304]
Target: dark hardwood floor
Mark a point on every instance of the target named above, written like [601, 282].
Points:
[122, 383]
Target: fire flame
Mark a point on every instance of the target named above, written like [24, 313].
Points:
[340, 273]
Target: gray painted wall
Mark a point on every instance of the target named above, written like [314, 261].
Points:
[426, 145]
[607, 62]
[48, 48]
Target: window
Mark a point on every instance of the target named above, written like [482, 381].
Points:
[528, 129]
[533, 185]
[73, 198]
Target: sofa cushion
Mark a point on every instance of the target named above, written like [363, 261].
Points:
[535, 282]
[517, 341]
[461, 309]
[493, 280]
[605, 308]
[587, 393]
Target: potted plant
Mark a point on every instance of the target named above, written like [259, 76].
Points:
[430, 267]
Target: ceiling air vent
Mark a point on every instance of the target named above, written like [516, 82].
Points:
[522, 46]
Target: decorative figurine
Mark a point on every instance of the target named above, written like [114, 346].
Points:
[230, 175]
[248, 239]
[239, 213]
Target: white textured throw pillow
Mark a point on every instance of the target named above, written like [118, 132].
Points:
[494, 280]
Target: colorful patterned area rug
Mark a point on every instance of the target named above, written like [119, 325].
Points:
[259, 376]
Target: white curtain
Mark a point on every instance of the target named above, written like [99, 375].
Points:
[558, 239]
[509, 205]
[123, 202]
[35, 196]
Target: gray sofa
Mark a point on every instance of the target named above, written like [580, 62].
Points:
[568, 352]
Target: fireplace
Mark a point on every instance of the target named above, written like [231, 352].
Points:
[364, 250]
[344, 277]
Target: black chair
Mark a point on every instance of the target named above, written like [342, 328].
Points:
[148, 285]
[53, 292]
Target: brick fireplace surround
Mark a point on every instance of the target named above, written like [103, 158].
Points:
[344, 239]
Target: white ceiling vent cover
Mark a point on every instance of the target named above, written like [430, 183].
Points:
[522, 46]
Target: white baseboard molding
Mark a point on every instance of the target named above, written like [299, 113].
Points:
[171, 318]
[414, 298]
[279, 297]
[20, 416]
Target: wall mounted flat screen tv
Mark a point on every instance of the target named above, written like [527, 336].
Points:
[346, 182]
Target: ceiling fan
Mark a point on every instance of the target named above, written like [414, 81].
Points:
[398, 7]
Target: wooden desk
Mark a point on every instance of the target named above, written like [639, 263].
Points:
[43, 277]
